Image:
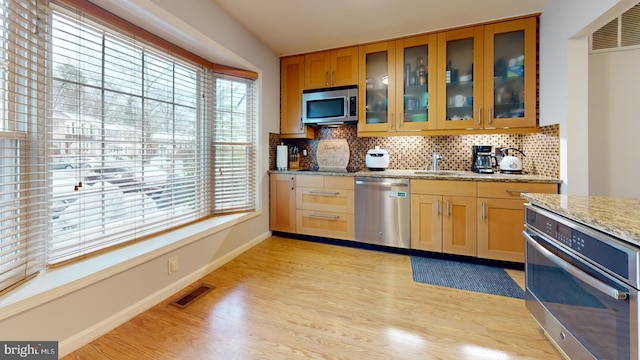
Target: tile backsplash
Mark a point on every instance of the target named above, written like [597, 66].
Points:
[414, 152]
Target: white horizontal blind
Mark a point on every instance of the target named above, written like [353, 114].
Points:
[125, 151]
[234, 143]
[22, 68]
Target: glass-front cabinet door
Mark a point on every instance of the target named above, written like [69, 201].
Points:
[510, 72]
[460, 79]
[416, 85]
[376, 111]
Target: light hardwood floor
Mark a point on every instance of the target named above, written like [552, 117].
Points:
[294, 299]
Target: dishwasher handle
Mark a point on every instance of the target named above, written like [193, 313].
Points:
[384, 182]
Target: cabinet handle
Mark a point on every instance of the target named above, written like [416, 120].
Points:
[448, 209]
[291, 183]
[390, 121]
[333, 77]
[479, 116]
[510, 191]
[484, 211]
[320, 192]
[437, 207]
[301, 124]
[326, 78]
[333, 217]
[490, 117]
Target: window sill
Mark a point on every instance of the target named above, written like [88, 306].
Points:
[54, 283]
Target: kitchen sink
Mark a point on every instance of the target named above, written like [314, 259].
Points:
[439, 172]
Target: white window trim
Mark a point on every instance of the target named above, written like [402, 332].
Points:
[51, 284]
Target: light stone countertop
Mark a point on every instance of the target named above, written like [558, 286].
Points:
[616, 216]
[430, 175]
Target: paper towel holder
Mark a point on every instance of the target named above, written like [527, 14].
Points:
[282, 157]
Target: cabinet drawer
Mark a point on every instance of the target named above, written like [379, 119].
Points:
[443, 187]
[310, 181]
[325, 199]
[512, 190]
[327, 224]
[339, 182]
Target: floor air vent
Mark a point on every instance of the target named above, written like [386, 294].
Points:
[192, 296]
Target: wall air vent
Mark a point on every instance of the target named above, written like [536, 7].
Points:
[630, 27]
[623, 31]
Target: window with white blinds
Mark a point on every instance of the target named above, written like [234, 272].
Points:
[234, 143]
[125, 151]
[22, 179]
[105, 139]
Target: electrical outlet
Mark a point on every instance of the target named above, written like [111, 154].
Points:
[172, 265]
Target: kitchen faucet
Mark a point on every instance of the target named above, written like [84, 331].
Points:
[436, 160]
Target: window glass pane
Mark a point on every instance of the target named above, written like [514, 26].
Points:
[129, 158]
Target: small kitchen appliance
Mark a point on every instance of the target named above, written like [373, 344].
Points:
[482, 159]
[377, 159]
[510, 164]
[330, 106]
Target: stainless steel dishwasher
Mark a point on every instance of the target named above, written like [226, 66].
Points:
[382, 211]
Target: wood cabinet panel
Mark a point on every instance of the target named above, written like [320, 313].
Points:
[324, 199]
[327, 224]
[291, 86]
[325, 206]
[512, 190]
[331, 68]
[426, 222]
[500, 227]
[282, 202]
[501, 218]
[459, 225]
[310, 181]
[444, 187]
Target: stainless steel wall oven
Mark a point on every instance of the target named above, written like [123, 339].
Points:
[581, 287]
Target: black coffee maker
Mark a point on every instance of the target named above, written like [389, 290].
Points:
[482, 159]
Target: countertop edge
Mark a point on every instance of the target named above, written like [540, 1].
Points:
[618, 217]
[412, 174]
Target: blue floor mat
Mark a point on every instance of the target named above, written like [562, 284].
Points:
[464, 276]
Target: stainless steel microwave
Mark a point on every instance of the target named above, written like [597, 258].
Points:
[330, 106]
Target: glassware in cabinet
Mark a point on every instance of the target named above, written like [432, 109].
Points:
[511, 69]
[460, 81]
[377, 81]
[416, 63]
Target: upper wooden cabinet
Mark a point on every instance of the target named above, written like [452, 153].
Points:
[331, 68]
[396, 87]
[478, 79]
[291, 86]
[376, 87]
[416, 83]
[487, 76]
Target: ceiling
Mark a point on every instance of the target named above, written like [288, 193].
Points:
[298, 26]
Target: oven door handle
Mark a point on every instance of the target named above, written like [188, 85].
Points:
[599, 285]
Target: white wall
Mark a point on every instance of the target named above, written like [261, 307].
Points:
[614, 123]
[202, 27]
[564, 79]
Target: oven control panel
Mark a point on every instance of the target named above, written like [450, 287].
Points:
[596, 247]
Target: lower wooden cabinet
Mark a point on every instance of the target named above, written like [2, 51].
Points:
[324, 206]
[282, 202]
[501, 218]
[443, 216]
[472, 218]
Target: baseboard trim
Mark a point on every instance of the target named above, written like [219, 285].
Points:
[84, 337]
